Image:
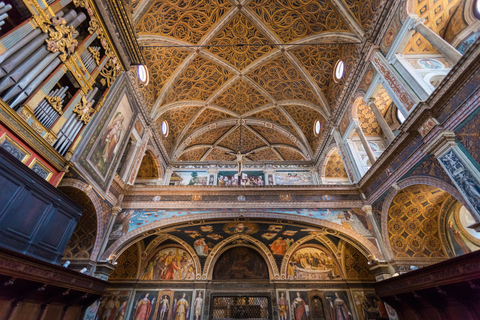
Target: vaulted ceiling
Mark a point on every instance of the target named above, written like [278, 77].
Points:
[269, 91]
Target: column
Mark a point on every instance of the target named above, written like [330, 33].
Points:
[138, 156]
[378, 235]
[168, 175]
[352, 170]
[445, 48]
[381, 121]
[212, 175]
[365, 144]
[106, 234]
[402, 95]
[460, 169]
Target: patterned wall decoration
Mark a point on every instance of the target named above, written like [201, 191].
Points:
[347, 54]
[240, 30]
[413, 222]
[429, 166]
[457, 22]
[319, 61]
[290, 155]
[211, 136]
[148, 168]
[364, 11]
[83, 238]
[382, 100]
[437, 15]
[265, 154]
[305, 118]
[272, 136]
[241, 97]
[249, 141]
[370, 126]
[161, 63]
[335, 167]
[127, 264]
[208, 115]
[198, 81]
[356, 264]
[282, 80]
[392, 31]
[469, 134]
[367, 79]
[193, 155]
[344, 124]
[275, 115]
[177, 119]
[188, 21]
[219, 155]
[293, 20]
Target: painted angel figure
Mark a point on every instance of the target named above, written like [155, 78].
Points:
[240, 155]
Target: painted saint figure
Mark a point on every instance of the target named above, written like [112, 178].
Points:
[182, 308]
[340, 309]
[282, 307]
[279, 246]
[143, 308]
[164, 306]
[111, 138]
[458, 244]
[201, 247]
[197, 306]
[299, 308]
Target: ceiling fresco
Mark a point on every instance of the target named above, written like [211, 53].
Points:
[214, 61]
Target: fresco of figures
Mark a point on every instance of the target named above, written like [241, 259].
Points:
[192, 178]
[369, 306]
[171, 263]
[299, 178]
[240, 263]
[338, 305]
[144, 303]
[312, 264]
[112, 307]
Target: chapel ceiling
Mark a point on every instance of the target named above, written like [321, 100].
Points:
[264, 95]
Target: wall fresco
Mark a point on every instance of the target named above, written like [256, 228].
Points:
[293, 178]
[312, 264]
[240, 263]
[170, 263]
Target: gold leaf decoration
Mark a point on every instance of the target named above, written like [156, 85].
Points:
[275, 115]
[249, 140]
[335, 167]
[187, 20]
[193, 155]
[293, 20]
[240, 31]
[272, 136]
[211, 136]
[207, 116]
[265, 154]
[219, 155]
[198, 81]
[148, 168]
[290, 155]
[241, 98]
[305, 118]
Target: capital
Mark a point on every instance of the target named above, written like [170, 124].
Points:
[371, 101]
[116, 210]
[367, 209]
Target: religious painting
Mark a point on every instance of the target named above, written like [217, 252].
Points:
[197, 305]
[91, 312]
[214, 236]
[283, 306]
[270, 180]
[121, 224]
[253, 179]
[114, 305]
[369, 306]
[110, 139]
[241, 227]
[192, 178]
[171, 263]
[164, 304]
[317, 305]
[139, 128]
[240, 263]
[430, 64]
[227, 179]
[143, 305]
[211, 180]
[201, 247]
[297, 178]
[181, 305]
[281, 245]
[311, 263]
[299, 305]
[338, 306]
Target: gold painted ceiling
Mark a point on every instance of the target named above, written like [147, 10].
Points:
[275, 85]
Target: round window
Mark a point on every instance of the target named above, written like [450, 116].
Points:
[339, 70]
[143, 74]
[476, 9]
[165, 128]
[316, 127]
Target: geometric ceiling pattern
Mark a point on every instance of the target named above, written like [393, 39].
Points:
[252, 75]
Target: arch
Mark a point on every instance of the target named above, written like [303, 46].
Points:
[414, 180]
[227, 243]
[148, 167]
[362, 244]
[330, 151]
[157, 156]
[101, 215]
[247, 121]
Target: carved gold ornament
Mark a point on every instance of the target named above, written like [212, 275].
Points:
[84, 110]
[61, 39]
[55, 103]
[110, 72]
[95, 55]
